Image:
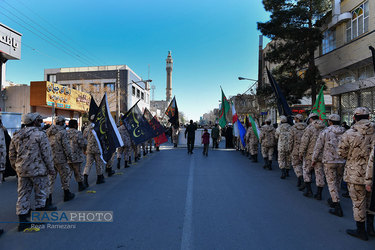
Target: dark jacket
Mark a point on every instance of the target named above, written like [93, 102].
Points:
[190, 130]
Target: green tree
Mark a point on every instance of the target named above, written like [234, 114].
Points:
[294, 28]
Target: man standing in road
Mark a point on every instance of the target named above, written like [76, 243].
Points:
[215, 134]
[267, 141]
[33, 170]
[306, 151]
[282, 136]
[190, 132]
[296, 133]
[325, 151]
[355, 146]
[62, 154]
[78, 145]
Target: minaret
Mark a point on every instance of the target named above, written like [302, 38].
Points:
[169, 68]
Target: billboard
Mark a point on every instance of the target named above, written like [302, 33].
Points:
[62, 97]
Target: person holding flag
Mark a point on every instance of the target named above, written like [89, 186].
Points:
[252, 139]
[126, 149]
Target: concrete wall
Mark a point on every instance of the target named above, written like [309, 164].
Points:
[17, 99]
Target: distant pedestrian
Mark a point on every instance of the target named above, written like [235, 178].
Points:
[205, 141]
[229, 136]
[190, 132]
[215, 134]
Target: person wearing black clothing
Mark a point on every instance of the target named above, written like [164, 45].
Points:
[190, 131]
[229, 137]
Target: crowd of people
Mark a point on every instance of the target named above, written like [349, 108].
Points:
[329, 151]
[38, 153]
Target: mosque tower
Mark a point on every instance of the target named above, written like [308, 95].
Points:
[169, 68]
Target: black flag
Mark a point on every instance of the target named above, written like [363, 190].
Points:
[373, 56]
[138, 127]
[106, 132]
[172, 112]
[93, 107]
[282, 104]
[154, 123]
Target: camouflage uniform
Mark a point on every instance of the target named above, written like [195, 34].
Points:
[92, 152]
[78, 145]
[325, 151]
[61, 153]
[355, 146]
[267, 141]
[306, 151]
[31, 156]
[282, 136]
[126, 149]
[251, 141]
[296, 133]
[3, 150]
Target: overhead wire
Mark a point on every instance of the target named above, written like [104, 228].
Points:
[57, 39]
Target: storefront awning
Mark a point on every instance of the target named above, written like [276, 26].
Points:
[354, 86]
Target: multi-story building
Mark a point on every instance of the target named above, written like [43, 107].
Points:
[123, 86]
[344, 56]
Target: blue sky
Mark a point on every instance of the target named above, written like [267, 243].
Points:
[212, 42]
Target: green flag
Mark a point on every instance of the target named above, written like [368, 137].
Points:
[254, 126]
[319, 107]
[224, 110]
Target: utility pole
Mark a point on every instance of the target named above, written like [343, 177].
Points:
[118, 96]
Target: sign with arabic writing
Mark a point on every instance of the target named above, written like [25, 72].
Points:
[46, 94]
[10, 43]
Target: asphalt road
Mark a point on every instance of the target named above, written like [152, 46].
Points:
[172, 200]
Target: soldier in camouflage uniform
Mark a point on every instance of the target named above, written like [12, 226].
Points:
[78, 145]
[3, 150]
[267, 141]
[175, 134]
[62, 154]
[282, 136]
[252, 144]
[126, 149]
[31, 156]
[92, 155]
[355, 146]
[325, 151]
[306, 151]
[296, 133]
[369, 179]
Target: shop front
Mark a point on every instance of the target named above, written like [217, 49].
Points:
[51, 100]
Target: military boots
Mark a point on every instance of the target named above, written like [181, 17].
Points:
[118, 163]
[360, 232]
[308, 191]
[370, 225]
[68, 195]
[265, 163]
[100, 179]
[81, 186]
[336, 210]
[85, 180]
[23, 222]
[318, 194]
[269, 165]
[283, 173]
[126, 165]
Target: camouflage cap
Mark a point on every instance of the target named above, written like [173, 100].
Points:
[299, 117]
[334, 117]
[60, 119]
[313, 114]
[268, 119]
[361, 111]
[283, 118]
[29, 118]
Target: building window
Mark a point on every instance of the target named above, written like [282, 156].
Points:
[138, 93]
[51, 78]
[359, 23]
[133, 90]
[109, 87]
[142, 95]
[329, 41]
[95, 87]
